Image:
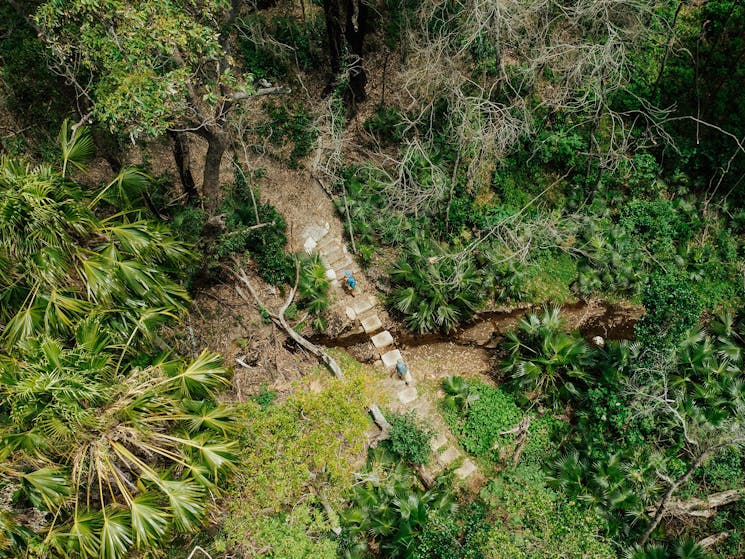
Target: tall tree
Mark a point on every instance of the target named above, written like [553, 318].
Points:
[150, 67]
[346, 27]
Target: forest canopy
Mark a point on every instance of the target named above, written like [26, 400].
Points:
[372, 279]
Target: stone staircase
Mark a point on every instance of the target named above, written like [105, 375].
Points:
[363, 309]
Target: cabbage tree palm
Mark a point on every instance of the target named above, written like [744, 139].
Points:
[118, 458]
[545, 361]
[60, 261]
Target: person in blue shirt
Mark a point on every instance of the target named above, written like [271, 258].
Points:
[402, 370]
[350, 281]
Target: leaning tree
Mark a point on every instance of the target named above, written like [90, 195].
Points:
[152, 67]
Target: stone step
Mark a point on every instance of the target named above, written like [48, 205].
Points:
[438, 442]
[448, 456]
[371, 324]
[346, 263]
[337, 258]
[384, 339]
[407, 395]
[325, 242]
[466, 469]
[391, 358]
[316, 232]
[364, 304]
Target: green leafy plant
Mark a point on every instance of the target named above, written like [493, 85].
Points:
[433, 290]
[543, 360]
[409, 438]
[459, 395]
[390, 510]
[479, 425]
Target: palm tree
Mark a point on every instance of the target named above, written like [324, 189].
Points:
[435, 290]
[544, 360]
[118, 459]
[390, 509]
[112, 447]
[59, 261]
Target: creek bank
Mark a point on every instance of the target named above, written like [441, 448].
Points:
[591, 318]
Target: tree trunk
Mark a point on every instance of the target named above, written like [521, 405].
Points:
[216, 146]
[183, 164]
[335, 34]
[356, 27]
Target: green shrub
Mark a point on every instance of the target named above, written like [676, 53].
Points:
[385, 125]
[545, 362]
[289, 123]
[410, 438]
[539, 522]
[672, 307]
[477, 428]
[265, 397]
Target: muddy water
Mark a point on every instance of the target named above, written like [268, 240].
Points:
[591, 318]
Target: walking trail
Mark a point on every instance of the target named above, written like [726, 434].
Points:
[364, 311]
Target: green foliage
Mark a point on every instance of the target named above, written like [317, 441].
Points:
[312, 437]
[270, 47]
[544, 361]
[300, 534]
[313, 288]
[61, 263]
[390, 510]
[265, 397]
[723, 471]
[289, 123]
[672, 307]
[461, 534]
[433, 290]
[385, 125]
[114, 446]
[409, 438]
[140, 82]
[478, 427]
[539, 522]
[25, 74]
[459, 394]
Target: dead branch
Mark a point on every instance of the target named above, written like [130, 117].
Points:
[381, 422]
[521, 435]
[714, 539]
[700, 508]
[279, 319]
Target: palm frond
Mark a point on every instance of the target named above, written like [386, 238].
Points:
[76, 145]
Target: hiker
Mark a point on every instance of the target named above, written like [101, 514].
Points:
[402, 370]
[350, 282]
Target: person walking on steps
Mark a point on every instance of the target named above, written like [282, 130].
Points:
[350, 281]
[402, 371]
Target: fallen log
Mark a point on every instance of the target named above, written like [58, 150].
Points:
[700, 508]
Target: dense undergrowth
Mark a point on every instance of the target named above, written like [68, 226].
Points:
[506, 152]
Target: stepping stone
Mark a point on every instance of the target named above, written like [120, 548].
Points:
[335, 258]
[316, 232]
[447, 457]
[390, 358]
[438, 442]
[408, 394]
[326, 242]
[372, 324]
[363, 305]
[384, 339]
[330, 275]
[466, 469]
[351, 315]
[309, 245]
